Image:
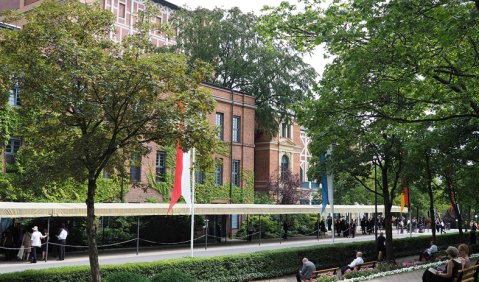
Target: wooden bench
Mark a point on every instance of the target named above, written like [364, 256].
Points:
[318, 273]
[369, 264]
[468, 274]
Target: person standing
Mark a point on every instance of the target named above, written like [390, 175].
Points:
[472, 233]
[36, 243]
[306, 273]
[27, 244]
[62, 239]
[381, 244]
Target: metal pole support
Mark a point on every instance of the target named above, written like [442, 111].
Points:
[137, 235]
[48, 237]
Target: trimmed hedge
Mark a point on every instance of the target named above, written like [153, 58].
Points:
[171, 275]
[243, 267]
[125, 277]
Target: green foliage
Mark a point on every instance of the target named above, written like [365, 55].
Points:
[227, 39]
[8, 122]
[205, 193]
[125, 277]
[360, 273]
[261, 198]
[327, 278]
[172, 275]
[245, 267]
[383, 267]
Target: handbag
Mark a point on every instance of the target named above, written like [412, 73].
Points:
[20, 252]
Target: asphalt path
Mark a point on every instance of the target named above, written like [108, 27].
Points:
[123, 256]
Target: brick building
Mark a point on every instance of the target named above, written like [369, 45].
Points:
[124, 11]
[287, 150]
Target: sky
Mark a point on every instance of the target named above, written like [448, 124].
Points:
[315, 59]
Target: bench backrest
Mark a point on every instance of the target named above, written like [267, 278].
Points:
[467, 274]
[317, 273]
[370, 264]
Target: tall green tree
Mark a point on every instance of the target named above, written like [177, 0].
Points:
[91, 103]
[243, 60]
[404, 61]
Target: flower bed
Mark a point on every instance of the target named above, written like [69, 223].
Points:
[400, 270]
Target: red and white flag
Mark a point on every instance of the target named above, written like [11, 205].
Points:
[182, 185]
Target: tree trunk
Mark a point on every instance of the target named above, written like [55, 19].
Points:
[431, 197]
[91, 230]
[387, 215]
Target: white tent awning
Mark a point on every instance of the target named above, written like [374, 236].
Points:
[24, 210]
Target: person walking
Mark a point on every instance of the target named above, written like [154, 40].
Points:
[36, 243]
[62, 239]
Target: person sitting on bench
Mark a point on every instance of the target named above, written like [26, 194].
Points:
[427, 254]
[357, 261]
[306, 273]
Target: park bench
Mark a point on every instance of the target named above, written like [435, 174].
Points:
[369, 264]
[467, 274]
[318, 273]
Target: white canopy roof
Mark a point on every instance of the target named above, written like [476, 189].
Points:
[19, 210]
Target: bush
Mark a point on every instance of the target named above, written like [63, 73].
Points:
[360, 273]
[244, 267]
[125, 277]
[172, 275]
[327, 278]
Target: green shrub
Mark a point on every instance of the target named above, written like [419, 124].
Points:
[172, 275]
[244, 267]
[360, 273]
[125, 277]
[327, 278]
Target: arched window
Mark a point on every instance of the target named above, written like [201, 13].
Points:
[284, 164]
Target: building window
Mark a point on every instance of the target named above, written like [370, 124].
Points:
[234, 221]
[284, 165]
[301, 176]
[160, 166]
[236, 173]
[219, 172]
[236, 129]
[14, 99]
[158, 22]
[285, 130]
[11, 149]
[121, 11]
[135, 168]
[220, 125]
[200, 177]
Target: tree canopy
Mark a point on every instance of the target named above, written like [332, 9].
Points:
[243, 60]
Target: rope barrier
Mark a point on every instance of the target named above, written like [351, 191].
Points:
[100, 246]
[7, 248]
[176, 243]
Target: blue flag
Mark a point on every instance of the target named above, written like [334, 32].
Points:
[324, 183]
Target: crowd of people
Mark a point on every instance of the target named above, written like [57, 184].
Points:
[28, 244]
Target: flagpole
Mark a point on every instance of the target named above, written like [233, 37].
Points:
[193, 181]
[330, 188]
